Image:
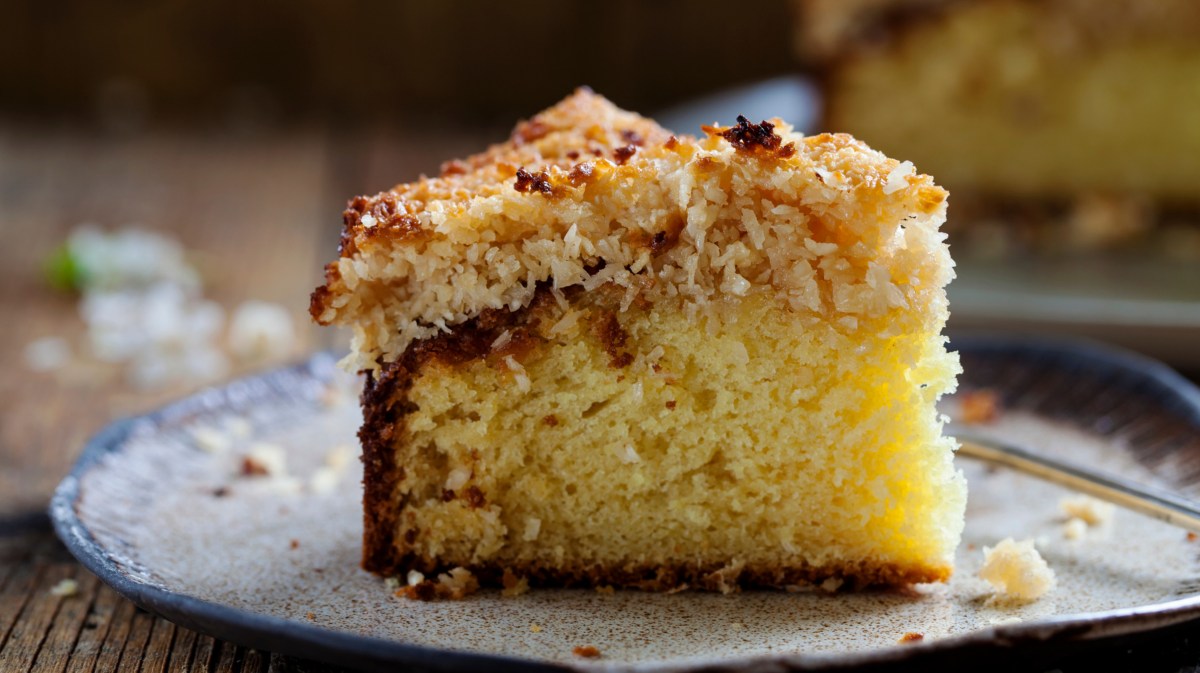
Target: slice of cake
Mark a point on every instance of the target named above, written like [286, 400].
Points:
[1063, 124]
[600, 354]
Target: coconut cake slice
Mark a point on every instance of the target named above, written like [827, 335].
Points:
[601, 354]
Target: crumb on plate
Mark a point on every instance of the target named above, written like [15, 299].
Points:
[454, 585]
[1075, 528]
[1091, 511]
[586, 651]
[513, 585]
[1016, 571]
[979, 406]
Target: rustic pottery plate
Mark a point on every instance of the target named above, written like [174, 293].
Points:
[159, 508]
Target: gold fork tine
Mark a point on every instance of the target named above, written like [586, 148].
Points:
[1156, 503]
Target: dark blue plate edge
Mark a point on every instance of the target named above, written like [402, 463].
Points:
[375, 654]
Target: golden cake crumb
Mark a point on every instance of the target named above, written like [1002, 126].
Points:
[1074, 528]
[1016, 571]
[1090, 510]
[979, 406]
[586, 651]
[912, 637]
[513, 585]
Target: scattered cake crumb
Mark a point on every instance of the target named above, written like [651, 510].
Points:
[1075, 528]
[832, 584]
[65, 588]
[220, 491]
[1016, 571]
[1091, 511]
[1191, 537]
[979, 406]
[513, 585]
[294, 544]
[312, 616]
[606, 589]
[238, 427]
[586, 651]
[912, 637]
[454, 585]
[324, 480]
[210, 439]
[392, 584]
[264, 460]
[535, 628]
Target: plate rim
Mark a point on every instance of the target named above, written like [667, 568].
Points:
[285, 636]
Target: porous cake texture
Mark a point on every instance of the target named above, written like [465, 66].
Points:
[601, 354]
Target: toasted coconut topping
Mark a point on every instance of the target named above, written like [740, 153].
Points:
[585, 194]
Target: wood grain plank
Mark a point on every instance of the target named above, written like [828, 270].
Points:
[141, 624]
[94, 632]
[16, 594]
[111, 648]
[228, 660]
[205, 654]
[256, 661]
[158, 648]
[34, 621]
[182, 651]
[63, 634]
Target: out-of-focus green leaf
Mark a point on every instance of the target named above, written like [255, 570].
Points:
[63, 271]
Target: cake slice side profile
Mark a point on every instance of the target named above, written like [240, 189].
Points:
[600, 354]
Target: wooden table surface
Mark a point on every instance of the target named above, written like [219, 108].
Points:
[259, 214]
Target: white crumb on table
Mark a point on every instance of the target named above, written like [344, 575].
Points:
[64, 588]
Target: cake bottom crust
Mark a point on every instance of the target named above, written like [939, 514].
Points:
[724, 578]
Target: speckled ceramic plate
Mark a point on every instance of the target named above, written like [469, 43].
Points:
[158, 507]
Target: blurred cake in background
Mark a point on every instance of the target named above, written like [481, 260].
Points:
[1059, 125]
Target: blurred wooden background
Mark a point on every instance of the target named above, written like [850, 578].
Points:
[148, 60]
